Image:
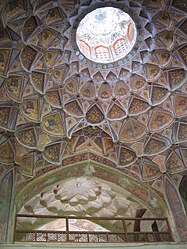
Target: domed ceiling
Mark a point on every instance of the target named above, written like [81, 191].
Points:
[106, 34]
[59, 107]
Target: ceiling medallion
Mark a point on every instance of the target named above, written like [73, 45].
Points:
[106, 36]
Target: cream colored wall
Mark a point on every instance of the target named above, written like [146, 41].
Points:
[96, 246]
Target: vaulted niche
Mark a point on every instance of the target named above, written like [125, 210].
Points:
[106, 35]
[94, 199]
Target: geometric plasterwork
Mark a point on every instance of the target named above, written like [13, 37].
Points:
[159, 120]
[150, 170]
[56, 104]
[174, 162]
[85, 196]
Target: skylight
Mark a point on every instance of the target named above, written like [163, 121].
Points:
[106, 35]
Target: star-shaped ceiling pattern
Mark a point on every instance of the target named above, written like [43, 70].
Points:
[55, 103]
